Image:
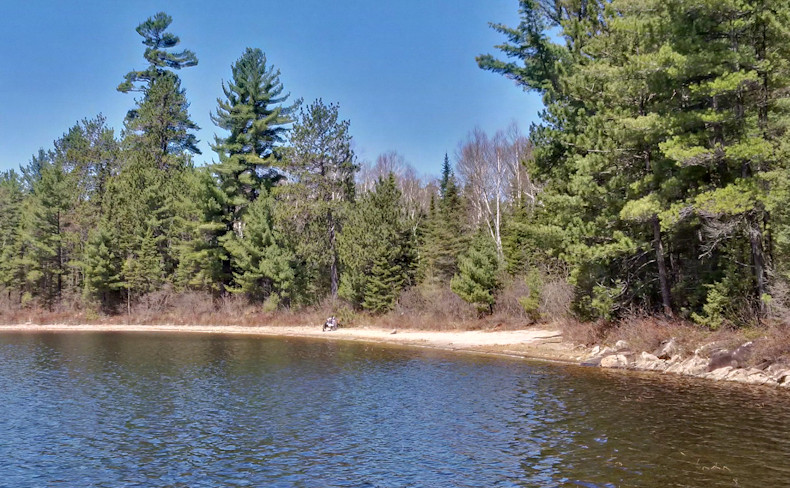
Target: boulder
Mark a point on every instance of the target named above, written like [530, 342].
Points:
[696, 365]
[667, 349]
[738, 375]
[594, 361]
[621, 345]
[721, 359]
[719, 373]
[646, 356]
[779, 372]
[736, 358]
[614, 361]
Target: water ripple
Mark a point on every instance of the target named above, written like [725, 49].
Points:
[112, 410]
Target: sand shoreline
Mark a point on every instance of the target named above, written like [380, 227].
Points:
[533, 343]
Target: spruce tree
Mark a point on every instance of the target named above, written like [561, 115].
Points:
[445, 237]
[376, 250]
[477, 279]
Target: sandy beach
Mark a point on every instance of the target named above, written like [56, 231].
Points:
[534, 343]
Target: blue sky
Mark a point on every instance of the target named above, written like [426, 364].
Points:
[403, 71]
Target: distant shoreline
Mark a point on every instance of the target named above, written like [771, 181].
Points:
[533, 343]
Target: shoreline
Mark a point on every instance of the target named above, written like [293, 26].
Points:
[536, 343]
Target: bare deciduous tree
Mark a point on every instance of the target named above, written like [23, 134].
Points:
[495, 175]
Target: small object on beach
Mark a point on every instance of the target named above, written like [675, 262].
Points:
[394, 331]
[330, 324]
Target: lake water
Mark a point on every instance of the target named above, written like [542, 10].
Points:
[121, 410]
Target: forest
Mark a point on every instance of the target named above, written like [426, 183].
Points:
[656, 183]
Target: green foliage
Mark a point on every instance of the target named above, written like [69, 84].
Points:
[321, 165]
[478, 275]
[663, 121]
[102, 267]
[263, 263]
[254, 115]
[158, 42]
[531, 302]
[376, 249]
[142, 270]
[160, 125]
[445, 236]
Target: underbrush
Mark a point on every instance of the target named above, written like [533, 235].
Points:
[421, 308]
[769, 343]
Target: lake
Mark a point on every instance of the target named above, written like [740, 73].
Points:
[170, 410]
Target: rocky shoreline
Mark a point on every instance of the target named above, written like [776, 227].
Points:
[709, 362]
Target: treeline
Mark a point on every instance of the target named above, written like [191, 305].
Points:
[285, 217]
[657, 182]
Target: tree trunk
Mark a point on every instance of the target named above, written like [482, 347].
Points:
[333, 258]
[663, 278]
[758, 261]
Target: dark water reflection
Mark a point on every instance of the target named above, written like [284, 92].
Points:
[112, 410]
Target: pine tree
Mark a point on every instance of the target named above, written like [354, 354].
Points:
[264, 264]
[160, 59]
[160, 125]
[45, 230]
[142, 271]
[204, 262]
[257, 120]
[11, 206]
[321, 166]
[254, 114]
[662, 126]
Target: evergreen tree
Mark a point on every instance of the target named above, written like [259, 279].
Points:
[321, 165]
[44, 230]
[11, 207]
[160, 126]
[676, 140]
[376, 249]
[142, 271]
[264, 264]
[204, 262]
[160, 59]
[477, 277]
[256, 118]
[445, 236]
[102, 268]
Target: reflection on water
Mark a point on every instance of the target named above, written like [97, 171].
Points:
[112, 410]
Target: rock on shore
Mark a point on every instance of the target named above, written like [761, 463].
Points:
[706, 362]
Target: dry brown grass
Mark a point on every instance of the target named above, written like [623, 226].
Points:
[645, 333]
[426, 308]
[774, 343]
[429, 307]
[583, 333]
